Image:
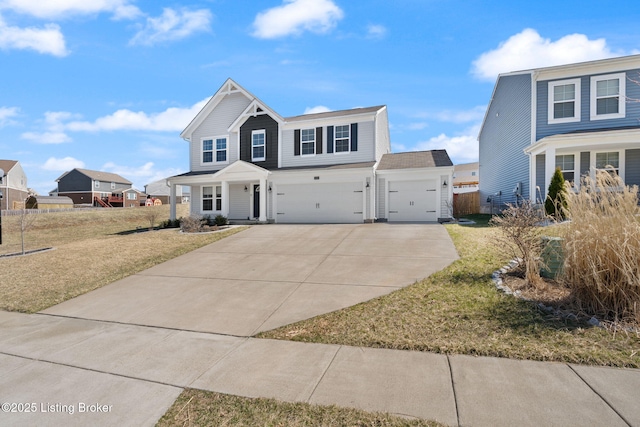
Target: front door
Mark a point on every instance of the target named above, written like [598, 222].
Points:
[256, 201]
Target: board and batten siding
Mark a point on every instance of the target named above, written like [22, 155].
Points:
[365, 153]
[444, 197]
[632, 167]
[544, 129]
[506, 132]
[382, 198]
[216, 124]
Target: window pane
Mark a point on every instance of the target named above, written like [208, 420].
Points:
[608, 87]
[307, 135]
[207, 205]
[207, 192]
[207, 145]
[218, 191]
[258, 139]
[218, 204]
[308, 148]
[221, 156]
[258, 152]
[568, 176]
[607, 105]
[607, 159]
[221, 144]
[564, 92]
[207, 157]
[342, 131]
[563, 110]
[342, 145]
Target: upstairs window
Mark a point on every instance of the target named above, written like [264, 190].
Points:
[308, 142]
[608, 96]
[97, 184]
[113, 185]
[342, 139]
[214, 150]
[564, 101]
[258, 145]
[566, 163]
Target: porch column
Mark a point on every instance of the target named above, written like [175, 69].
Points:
[263, 200]
[225, 198]
[549, 167]
[172, 202]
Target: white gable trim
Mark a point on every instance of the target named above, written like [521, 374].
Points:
[253, 110]
[229, 87]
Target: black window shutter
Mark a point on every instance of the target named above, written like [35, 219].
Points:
[329, 139]
[354, 137]
[319, 140]
[296, 142]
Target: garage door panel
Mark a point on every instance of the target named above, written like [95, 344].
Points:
[413, 200]
[320, 203]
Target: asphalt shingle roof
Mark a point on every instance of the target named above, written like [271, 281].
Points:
[415, 159]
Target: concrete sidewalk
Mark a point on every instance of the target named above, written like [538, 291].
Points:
[129, 375]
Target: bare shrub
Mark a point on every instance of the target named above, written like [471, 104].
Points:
[192, 224]
[602, 247]
[520, 237]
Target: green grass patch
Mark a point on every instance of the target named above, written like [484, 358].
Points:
[202, 408]
[458, 310]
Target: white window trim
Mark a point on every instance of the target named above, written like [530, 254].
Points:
[313, 142]
[576, 117]
[576, 166]
[622, 78]
[214, 150]
[259, 132]
[621, 160]
[213, 198]
[97, 184]
[335, 140]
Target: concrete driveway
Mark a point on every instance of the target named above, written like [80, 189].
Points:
[269, 276]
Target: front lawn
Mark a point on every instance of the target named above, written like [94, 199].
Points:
[458, 310]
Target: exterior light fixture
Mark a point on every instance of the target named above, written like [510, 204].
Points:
[444, 184]
[245, 189]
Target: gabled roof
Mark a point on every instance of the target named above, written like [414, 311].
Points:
[415, 159]
[227, 88]
[98, 176]
[7, 165]
[339, 113]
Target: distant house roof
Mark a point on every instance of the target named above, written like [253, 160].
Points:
[44, 202]
[99, 176]
[7, 165]
[330, 114]
[415, 159]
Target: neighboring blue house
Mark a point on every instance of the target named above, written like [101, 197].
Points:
[579, 117]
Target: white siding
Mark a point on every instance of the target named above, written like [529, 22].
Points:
[216, 124]
[444, 197]
[383, 143]
[365, 151]
[239, 201]
[382, 192]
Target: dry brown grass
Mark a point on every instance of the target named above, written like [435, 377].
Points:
[202, 408]
[92, 249]
[602, 248]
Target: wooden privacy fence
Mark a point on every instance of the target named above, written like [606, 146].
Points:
[466, 204]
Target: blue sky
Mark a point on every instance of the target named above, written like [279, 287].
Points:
[109, 84]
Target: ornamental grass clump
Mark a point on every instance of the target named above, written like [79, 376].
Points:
[602, 247]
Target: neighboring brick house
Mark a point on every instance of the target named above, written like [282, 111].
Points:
[95, 188]
[13, 185]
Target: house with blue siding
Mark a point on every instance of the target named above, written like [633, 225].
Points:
[579, 117]
[247, 162]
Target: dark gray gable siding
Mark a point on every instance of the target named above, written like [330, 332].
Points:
[505, 134]
[271, 128]
[632, 167]
[76, 181]
[540, 169]
[544, 129]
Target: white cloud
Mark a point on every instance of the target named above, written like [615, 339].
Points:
[48, 39]
[462, 116]
[58, 9]
[65, 164]
[317, 109]
[376, 31]
[7, 114]
[461, 149]
[173, 25]
[46, 137]
[171, 120]
[143, 174]
[527, 50]
[297, 16]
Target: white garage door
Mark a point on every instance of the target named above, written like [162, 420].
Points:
[413, 200]
[320, 203]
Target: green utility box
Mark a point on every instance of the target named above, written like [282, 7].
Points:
[552, 257]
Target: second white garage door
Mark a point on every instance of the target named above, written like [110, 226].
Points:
[320, 203]
[413, 200]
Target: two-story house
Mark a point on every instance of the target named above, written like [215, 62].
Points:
[248, 162]
[13, 185]
[579, 117]
[95, 188]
